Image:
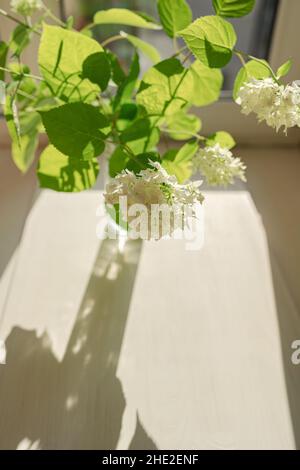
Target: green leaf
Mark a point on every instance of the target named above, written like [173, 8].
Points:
[20, 39]
[146, 16]
[127, 86]
[128, 112]
[23, 150]
[233, 8]
[61, 173]
[221, 137]
[142, 161]
[252, 69]
[284, 69]
[121, 160]
[118, 75]
[28, 86]
[123, 16]
[17, 70]
[207, 84]
[117, 162]
[23, 133]
[138, 130]
[174, 16]
[182, 126]
[12, 120]
[165, 88]
[141, 135]
[70, 22]
[61, 57]
[76, 129]
[97, 69]
[211, 39]
[147, 49]
[178, 162]
[3, 55]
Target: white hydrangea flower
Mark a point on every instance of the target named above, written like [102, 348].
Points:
[154, 186]
[276, 104]
[218, 165]
[26, 7]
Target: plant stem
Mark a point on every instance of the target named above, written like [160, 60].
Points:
[175, 45]
[29, 75]
[117, 37]
[191, 134]
[87, 27]
[179, 51]
[52, 16]
[13, 18]
[16, 20]
[187, 57]
[242, 60]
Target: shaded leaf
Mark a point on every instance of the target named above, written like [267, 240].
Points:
[139, 129]
[142, 161]
[96, 68]
[127, 86]
[233, 8]
[117, 161]
[118, 74]
[76, 129]
[141, 135]
[121, 160]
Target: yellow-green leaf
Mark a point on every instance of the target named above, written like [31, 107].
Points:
[147, 49]
[123, 16]
[62, 173]
[178, 162]
[61, 57]
[207, 84]
[211, 39]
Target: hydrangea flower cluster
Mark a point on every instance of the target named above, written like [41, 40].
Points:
[154, 186]
[26, 7]
[218, 165]
[278, 105]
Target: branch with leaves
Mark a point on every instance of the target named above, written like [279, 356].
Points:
[83, 99]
